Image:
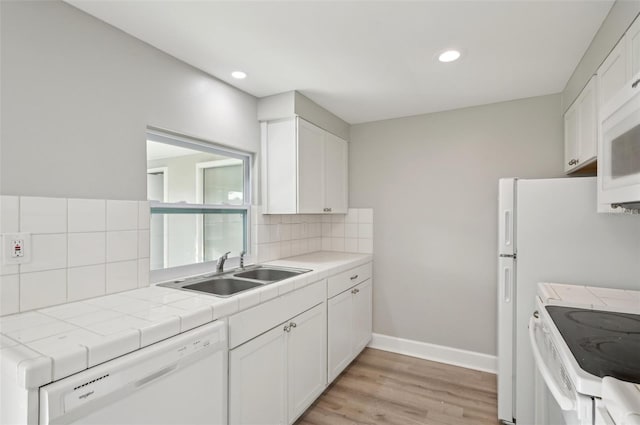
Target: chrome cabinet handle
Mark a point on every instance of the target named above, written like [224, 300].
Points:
[287, 328]
[635, 83]
[293, 324]
[327, 210]
[355, 291]
[355, 276]
[573, 162]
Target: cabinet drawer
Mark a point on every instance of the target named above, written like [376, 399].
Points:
[252, 322]
[345, 280]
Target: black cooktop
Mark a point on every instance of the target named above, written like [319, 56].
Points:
[604, 343]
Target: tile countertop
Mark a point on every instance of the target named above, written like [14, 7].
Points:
[52, 343]
[590, 297]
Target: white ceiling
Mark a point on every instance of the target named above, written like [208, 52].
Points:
[371, 60]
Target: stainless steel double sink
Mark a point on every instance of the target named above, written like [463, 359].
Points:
[236, 281]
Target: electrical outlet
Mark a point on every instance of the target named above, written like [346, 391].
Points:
[16, 248]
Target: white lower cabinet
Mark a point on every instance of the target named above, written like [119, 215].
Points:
[362, 316]
[349, 321]
[284, 352]
[274, 377]
[307, 359]
[258, 380]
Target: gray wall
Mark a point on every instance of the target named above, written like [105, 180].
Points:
[432, 182]
[78, 94]
[620, 17]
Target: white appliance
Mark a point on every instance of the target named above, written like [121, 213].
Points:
[619, 155]
[549, 230]
[583, 346]
[620, 403]
[181, 380]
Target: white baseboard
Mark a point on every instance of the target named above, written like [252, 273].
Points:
[437, 353]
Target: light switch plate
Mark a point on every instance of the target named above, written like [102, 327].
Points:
[16, 248]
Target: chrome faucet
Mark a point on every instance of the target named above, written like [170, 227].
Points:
[220, 263]
[242, 254]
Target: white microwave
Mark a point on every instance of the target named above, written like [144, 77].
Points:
[619, 152]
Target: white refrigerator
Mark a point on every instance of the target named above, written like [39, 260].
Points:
[549, 231]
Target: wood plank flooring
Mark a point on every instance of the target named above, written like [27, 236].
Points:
[387, 388]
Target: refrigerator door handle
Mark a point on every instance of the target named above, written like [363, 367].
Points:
[507, 228]
[506, 294]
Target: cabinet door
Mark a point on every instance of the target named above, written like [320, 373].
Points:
[587, 124]
[307, 358]
[339, 329]
[336, 153]
[570, 138]
[362, 317]
[633, 52]
[310, 167]
[279, 167]
[257, 380]
[612, 73]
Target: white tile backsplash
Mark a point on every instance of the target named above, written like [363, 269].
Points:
[122, 245]
[289, 235]
[144, 215]
[48, 252]
[87, 248]
[326, 244]
[85, 282]
[122, 215]
[295, 231]
[351, 244]
[9, 294]
[365, 230]
[75, 245]
[121, 276]
[337, 244]
[6, 269]
[274, 232]
[143, 243]
[365, 246]
[42, 289]
[337, 230]
[365, 215]
[86, 215]
[351, 230]
[9, 214]
[143, 272]
[43, 215]
[352, 216]
[338, 218]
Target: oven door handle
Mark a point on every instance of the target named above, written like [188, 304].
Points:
[564, 402]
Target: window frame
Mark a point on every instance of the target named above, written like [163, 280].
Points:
[247, 158]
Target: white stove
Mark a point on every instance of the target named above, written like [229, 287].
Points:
[586, 343]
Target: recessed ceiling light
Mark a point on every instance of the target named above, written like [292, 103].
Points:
[239, 75]
[449, 56]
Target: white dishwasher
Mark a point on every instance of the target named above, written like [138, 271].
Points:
[181, 380]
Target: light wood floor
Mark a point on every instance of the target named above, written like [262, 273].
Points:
[386, 388]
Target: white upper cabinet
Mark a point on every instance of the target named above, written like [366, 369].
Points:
[304, 169]
[311, 167]
[570, 139]
[336, 158]
[620, 70]
[612, 73]
[633, 51]
[581, 130]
